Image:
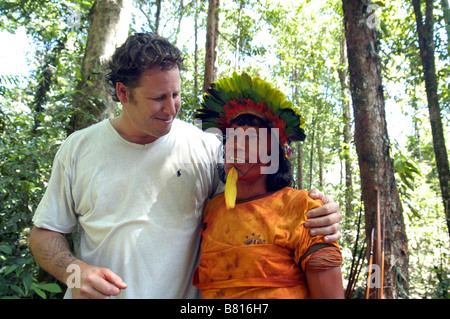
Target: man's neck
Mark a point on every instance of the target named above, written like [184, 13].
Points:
[118, 123]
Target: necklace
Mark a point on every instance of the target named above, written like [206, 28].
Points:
[245, 200]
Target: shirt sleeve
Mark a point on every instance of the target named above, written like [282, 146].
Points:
[313, 253]
[56, 209]
[325, 258]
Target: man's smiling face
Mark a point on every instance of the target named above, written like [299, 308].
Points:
[151, 108]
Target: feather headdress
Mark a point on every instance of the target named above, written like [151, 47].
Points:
[232, 96]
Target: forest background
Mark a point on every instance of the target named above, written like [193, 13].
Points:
[297, 45]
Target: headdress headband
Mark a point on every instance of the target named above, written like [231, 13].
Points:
[230, 97]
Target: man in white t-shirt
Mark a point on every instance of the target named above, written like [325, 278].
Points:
[135, 187]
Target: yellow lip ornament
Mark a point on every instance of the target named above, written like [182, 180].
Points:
[231, 188]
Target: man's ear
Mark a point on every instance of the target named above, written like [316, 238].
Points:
[123, 92]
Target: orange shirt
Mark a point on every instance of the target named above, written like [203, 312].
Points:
[253, 250]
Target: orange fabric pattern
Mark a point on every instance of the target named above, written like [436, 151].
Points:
[253, 250]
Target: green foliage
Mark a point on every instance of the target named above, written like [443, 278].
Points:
[406, 170]
[24, 168]
[34, 114]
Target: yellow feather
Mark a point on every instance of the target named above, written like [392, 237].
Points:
[231, 188]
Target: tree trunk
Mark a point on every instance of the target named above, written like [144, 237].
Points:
[211, 44]
[153, 22]
[196, 87]
[296, 101]
[347, 130]
[446, 11]
[426, 46]
[372, 146]
[109, 22]
[182, 11]
[300, 165]
[311, 155]
[321, 161]
[238, 37]
[45, 79]
[157, 16]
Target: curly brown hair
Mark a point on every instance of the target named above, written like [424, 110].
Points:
[140, 52]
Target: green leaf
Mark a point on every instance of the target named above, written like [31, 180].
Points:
[27, 280]
[7, 249]
[10, 269]
[50, 287]
[17, 289]
[38, 291]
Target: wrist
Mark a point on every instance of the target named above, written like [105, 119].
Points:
[71, 270]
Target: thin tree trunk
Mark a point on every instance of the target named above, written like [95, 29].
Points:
[300, 165]
[109, 22]
[197, 10]
[296, 94]
[426, 46]
[180, 18]
[320, 158]
[211, 44]
[446, 11]
[347, 130]
[216, 40]
[311, 156]
[238, 38]
[45, 80]
[372, 146]
[154, 26]
[157, 16]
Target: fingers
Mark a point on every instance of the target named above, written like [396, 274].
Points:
[316, 194]
[114, 279]
[333, 238]
[330, 210]
[325, 221]
[331, 233]
[94, 289]
[98, 283]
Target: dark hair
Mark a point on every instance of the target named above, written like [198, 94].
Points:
[276, 181]
[140, 52]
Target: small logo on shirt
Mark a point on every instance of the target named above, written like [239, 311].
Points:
[254, 240]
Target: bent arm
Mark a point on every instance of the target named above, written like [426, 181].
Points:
[52, 252]
[325, 284]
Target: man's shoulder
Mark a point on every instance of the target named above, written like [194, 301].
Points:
[191, 131]
[92, 128]
[90, 131]
[181, 125]
[83, 137]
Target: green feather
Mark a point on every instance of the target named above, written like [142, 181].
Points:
[246, 82]
[243, 86]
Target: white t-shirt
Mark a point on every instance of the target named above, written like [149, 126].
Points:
[139, 206]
